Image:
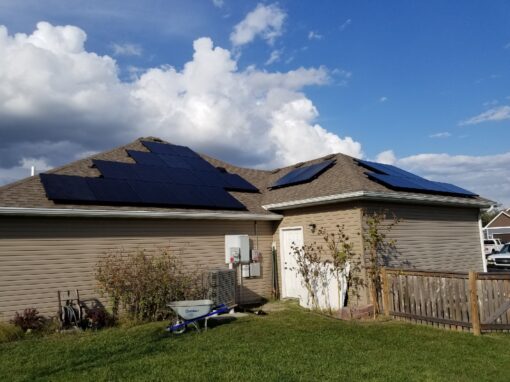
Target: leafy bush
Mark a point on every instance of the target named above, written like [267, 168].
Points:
[9, 332]
[98, 318]
[143, 285]
[30, 319]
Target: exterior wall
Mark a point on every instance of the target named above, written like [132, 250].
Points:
[327, 216]
[39, 256]
[435, 237]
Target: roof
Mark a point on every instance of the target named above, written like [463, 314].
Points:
[343, 180]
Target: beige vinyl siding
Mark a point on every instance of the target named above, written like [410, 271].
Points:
[327, 216]
[434, 237]
[39, 256]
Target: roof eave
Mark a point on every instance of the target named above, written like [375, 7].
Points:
[141, 214]
[379, 196]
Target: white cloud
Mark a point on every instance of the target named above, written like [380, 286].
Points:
[218, 3]
[383, 99]
[312, 35]
[126, 49]
[265, 21]
[57, 99]
[507, 46]
[274, 57]
[345, 24]
[495, 114]
[386, 157]
[487, 175]
[443, 134]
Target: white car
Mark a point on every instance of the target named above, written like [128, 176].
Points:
[491, 246]
[500, 260]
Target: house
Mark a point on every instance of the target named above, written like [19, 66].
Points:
[146, 195]
[499, 227]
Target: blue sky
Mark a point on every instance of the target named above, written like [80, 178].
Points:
[425, 82]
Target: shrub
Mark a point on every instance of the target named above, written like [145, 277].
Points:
[9, 332]
[98, 318]
[30, 319]
[143, 285]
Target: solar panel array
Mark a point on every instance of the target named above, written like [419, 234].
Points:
[303, 174]
[397, 178]
[168, 175]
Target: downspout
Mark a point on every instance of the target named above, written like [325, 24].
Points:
[480, 227]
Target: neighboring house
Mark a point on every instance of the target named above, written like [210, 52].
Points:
[499, 227]
[55, 226]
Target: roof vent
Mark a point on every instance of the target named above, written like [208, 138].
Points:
[275, 171]
[297, 165]
[330, 156]
[222, 169]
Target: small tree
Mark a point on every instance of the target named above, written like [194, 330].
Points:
[378, 248]
[318, 264]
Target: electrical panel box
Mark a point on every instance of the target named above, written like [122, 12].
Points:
[245, 270]
[255, 270]
[256, 256]
[241, 244]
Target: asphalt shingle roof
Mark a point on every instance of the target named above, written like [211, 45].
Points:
[344, 176]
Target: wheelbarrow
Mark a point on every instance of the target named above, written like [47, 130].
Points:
[191, 312]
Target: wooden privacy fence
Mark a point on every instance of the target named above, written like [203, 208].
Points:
[454, 300]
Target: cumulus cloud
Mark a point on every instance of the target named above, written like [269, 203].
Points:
[487, 175]
[386, 157]
[57, 99]
[495, 114]
[126, 49]
[265, 21]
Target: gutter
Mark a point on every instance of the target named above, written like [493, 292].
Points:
[380, 196]
[72, 212]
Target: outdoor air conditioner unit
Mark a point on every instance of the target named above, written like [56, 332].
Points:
[221, 286]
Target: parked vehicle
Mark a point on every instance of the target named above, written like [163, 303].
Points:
[500, 260]
[491, 246]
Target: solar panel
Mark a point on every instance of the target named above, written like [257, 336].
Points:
[151, 173]
[153, 193]
[174, 161]
[396, 181]
[387, 169]
[200, 164]
[183, 176]
[235, 182]
[397, 178]
[116, 170]
[303, 174]
[67, 188]
[221, 198]
[165, 148]
[211, 178]
[142, 157]
[112, 191]
[169, 175]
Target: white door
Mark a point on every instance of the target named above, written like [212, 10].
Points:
[291, 283]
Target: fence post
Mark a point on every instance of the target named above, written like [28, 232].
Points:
[473, 297]
[385, 292]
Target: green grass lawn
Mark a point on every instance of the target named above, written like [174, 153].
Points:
[287, 345]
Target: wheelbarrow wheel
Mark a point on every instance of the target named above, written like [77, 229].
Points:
[178, 321]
